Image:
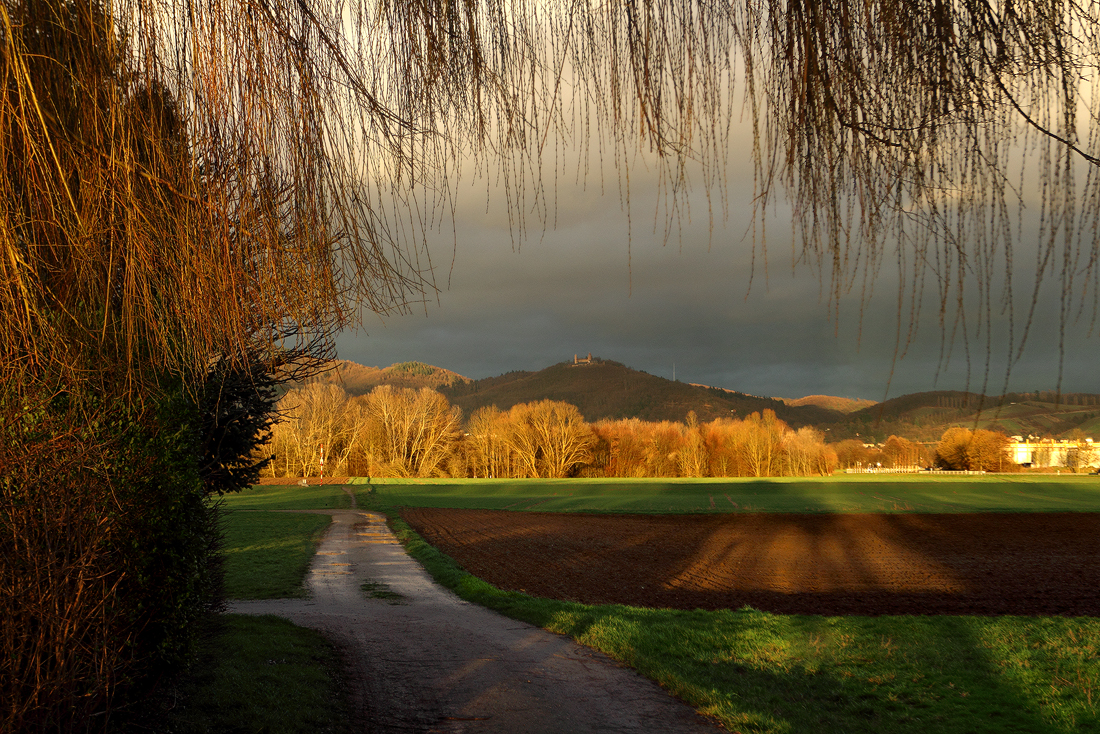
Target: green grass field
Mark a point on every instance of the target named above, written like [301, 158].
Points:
[267, 552]
[840, 493]
[263, 674]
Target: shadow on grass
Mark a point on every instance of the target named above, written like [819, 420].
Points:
[759, 672]
[278, 497]
[255, 674]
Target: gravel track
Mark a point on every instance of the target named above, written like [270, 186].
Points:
[426, 661]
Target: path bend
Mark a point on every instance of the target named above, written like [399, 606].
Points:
[431, 662]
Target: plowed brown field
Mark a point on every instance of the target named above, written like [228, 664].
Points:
[995, 563]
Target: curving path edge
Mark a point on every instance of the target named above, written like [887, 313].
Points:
[428, 661]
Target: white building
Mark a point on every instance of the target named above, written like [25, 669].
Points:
[1048, 452]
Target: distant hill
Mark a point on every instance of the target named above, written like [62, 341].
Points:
[357, 379]
[841, 405]
[926, 415]
[605, 389]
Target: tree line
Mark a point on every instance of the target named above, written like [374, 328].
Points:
[402, 432]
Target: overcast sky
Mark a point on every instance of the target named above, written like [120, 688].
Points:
[684, 308]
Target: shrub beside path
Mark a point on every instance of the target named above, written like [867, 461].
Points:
[426, 661]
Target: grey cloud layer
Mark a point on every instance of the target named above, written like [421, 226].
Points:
[583, 287]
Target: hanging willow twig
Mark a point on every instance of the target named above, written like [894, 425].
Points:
[184, 180]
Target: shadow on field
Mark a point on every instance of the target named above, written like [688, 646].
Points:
[843, 564]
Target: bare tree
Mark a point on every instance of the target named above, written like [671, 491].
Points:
[901, 452]
[851, 453]
[693, 455]
[726, 458]
[805, 453]
[989, 451]
[549, 438]
[490, 455]
[761, 443]
[409, 433]
[1082, 455]
[316, 420]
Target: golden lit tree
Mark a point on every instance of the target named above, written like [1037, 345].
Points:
[805, 453]
[489, 454]
[980, 450]
[988, 451]
[901, 452]
[760, 442]
[316, 420]
[725, 457]
[409, 433]
[951, 451]
[693, 457]
[549, 438]
[627, 445]
[851, 453]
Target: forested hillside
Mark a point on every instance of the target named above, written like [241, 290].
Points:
[925, 416]
[607, 390]
[357, 379]
[604, 389]
[831, 402]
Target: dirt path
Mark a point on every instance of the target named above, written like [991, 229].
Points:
[427, 661]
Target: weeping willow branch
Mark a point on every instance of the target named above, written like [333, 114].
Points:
[190, 179]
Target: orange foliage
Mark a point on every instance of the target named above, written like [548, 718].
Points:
[980, 450]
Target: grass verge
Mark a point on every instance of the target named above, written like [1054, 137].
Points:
[261, 674]
[267, 554]
[780, 674]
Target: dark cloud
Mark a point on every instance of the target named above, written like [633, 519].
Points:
[687, 305]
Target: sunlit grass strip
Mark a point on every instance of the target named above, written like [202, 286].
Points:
[848, 493]
[760, 672]
[263, 674]
[267, 554]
